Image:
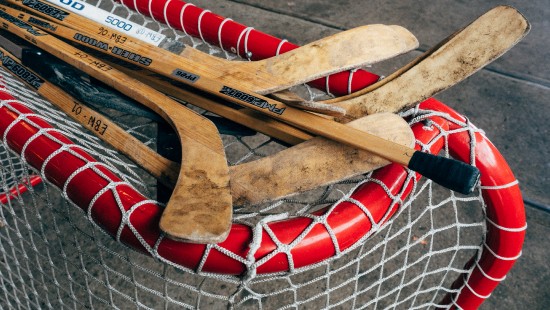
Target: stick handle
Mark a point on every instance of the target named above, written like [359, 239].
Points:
[453, 174]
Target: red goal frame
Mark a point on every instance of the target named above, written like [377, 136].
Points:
[98, 191]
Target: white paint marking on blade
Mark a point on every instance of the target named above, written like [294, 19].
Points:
[111, 20]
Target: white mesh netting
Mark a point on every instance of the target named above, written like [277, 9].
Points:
[53, 255]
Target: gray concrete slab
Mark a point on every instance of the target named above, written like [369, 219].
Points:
[509, 99]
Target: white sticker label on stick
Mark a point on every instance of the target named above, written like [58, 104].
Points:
[112, 21]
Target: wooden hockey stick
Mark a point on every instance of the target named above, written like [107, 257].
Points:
[350, 49]
[202, 192]
[448, 172]
[446, 64]
[320, 161]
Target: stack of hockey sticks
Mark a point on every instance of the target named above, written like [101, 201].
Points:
[205, 173]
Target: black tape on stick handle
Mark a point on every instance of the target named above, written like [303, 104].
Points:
[453, 174]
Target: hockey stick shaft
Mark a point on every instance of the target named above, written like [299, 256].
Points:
[346, 50]
[246, 117]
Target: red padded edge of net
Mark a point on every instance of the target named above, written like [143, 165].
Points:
[229, 35]
[349, 223]
[505, 209]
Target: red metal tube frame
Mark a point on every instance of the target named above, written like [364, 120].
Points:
[31, 137]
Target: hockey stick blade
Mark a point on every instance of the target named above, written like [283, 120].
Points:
[446, 64]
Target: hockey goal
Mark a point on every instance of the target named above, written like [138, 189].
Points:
[79, 222]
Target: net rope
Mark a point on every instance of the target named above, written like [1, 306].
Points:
[54, 255]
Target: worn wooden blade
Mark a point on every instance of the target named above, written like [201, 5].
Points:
[451, 61]
[200, 208]
[343, 51]
[353, 48]
[314, 163]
